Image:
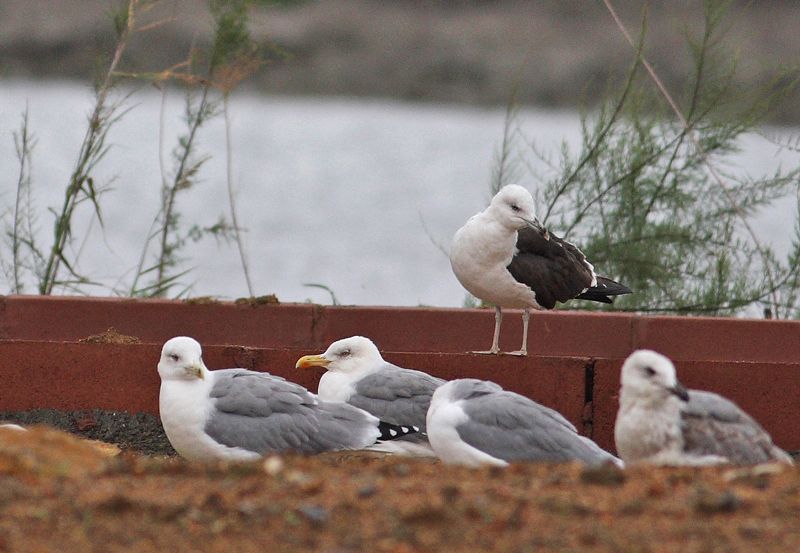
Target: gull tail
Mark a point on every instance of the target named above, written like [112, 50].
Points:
[605, 288]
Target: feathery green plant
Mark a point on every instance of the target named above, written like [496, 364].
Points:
[643, 197]
[81, 186]
[209, 76]
[232, 57]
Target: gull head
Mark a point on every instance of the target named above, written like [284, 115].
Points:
[648, 374]
[350, 355]
[182, 359]
[513, 207]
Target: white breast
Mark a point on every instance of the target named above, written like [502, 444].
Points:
[479, 256]
[336, 386]
[646, 433]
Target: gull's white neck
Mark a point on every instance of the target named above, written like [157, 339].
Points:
[339, 386]
[490, 239]
[184, 408]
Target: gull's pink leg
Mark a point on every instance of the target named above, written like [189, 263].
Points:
[526, 314]
[498, 319]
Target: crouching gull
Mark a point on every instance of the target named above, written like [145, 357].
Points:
[241, 415]
[661, 422]
[357, 374]
[475, 422]
[504, 256]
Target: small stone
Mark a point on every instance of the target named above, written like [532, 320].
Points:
[710, 502]
[273, 465]
[604, 475]
[402, 470]
[758, 476]
[315, 514]
[450, 493]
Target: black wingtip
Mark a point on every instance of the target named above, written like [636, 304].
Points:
[605, 288]
[594, 295]
[394, 431]
[611, 287]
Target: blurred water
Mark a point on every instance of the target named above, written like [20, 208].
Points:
[353, 194]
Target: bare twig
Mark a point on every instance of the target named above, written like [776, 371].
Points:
[179, 182]
[715, 174]
[231, 197]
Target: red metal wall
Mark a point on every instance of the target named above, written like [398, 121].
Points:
[573, 364]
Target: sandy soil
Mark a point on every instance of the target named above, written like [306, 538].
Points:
[60, 493]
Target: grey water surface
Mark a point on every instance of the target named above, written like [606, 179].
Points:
[358, 195]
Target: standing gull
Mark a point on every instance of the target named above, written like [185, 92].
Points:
[660, 422]
[475, 422]
[241, 415]
[504, 256]
[357, 374]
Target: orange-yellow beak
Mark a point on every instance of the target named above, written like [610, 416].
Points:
[308, 361]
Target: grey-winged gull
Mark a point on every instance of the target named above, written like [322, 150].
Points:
[475, 422]
[238, 414]
[358, 374]
[661, 422]
[505, 257]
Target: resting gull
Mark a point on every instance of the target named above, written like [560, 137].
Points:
[475, 422]
[504, 256]
[357, 374]
[661, 422]
[241, 415]
[11, 426]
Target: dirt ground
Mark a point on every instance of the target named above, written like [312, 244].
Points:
[136, 432]
[62, 493]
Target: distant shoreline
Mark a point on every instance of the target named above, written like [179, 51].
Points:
[553, 53]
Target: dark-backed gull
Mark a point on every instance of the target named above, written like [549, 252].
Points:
[504, 256]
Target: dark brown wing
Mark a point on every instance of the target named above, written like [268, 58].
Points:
[553, 268]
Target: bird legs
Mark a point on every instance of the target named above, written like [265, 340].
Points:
[523, 350]
[498, 320]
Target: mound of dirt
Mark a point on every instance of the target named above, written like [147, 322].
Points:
[137, 432]
[110, 336]
[68, 496]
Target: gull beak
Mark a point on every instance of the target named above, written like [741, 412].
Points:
[195, 370]
[308, 361]
[538, 227]
[679, 391]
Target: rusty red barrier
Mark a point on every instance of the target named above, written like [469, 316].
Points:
[573, 366]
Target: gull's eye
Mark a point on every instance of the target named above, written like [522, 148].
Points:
[649, 371]
[514, 208]
[175, 357]
[344, 353]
